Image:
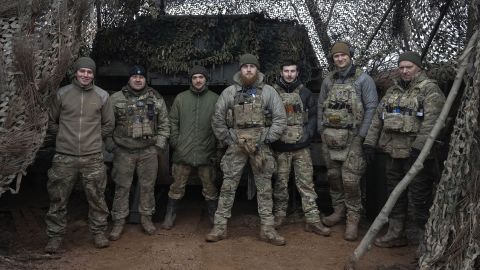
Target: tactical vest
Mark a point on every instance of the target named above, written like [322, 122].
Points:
[248, 116]
[297, 116]
[139, 116]
[342, 114]
[402, 112]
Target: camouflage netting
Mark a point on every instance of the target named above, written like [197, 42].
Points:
[453, 230]
[172, 44]
[38, 41]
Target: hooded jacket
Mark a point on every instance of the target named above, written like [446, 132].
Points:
[272, 103]
[81, 117]
[191, 134]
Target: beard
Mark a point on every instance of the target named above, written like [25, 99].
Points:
[248, 81]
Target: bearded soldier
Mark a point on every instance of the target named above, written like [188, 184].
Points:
[293, 148]
[80, 115]
[240, 122]
[193, 142]
[347, 102]
[141, 130]
[400, 127]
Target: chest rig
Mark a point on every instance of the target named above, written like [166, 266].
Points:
[342, 114]
[248, 109]
[140, 115]
[403, 111]
[341, 108]
[297, 116]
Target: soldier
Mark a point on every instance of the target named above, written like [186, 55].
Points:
[240, 122]
[404, 118]
[193, 142]
[293, 147]
[141, 130]
[80, 115]
[347, 102]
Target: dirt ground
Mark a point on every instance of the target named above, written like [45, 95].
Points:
[22, 238]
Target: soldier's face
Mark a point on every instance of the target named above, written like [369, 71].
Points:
[137, 82]
[248, 70]
[198, 81]
[408, 70]
[341, 60]
[289, 73]
[84, 76]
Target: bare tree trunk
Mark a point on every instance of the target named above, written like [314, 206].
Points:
[320, 26]
[98, 9]
[382, 218]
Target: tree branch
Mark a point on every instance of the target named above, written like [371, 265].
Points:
[444, 10]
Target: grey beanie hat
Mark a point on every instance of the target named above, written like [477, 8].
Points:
[85, 62]
[249, 59]
[412, 57]
[198, 70]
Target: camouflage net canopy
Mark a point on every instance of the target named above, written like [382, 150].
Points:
[38, 42]
[172, 44]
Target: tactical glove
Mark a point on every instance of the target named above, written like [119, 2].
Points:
[369, 153]
[414, 153]
[110, 145]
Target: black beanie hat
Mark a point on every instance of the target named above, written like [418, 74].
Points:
[412, 57]
[198, 70]
[137, 70]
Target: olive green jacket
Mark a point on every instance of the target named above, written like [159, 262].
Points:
[191, 134]
[399, 145]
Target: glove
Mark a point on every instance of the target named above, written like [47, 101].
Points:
[369, 153]
[160, 143]
[110, 145]
[414, 153]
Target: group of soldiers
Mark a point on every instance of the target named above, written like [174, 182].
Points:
[270, 127]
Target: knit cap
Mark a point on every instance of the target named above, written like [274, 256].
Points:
[412, 57]
[198, 70]
[137, 70]
[340, 47]
[85, 62]
[249, 59]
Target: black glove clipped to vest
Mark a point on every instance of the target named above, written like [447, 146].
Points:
[369, 153]
[414, 153]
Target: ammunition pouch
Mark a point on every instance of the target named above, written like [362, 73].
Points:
[400, 123]
[338, 118]
[292, 134]
[336, 138]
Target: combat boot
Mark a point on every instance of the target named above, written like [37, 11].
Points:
[170, 215]
[211, 208]
[270, 235]
[147, 224]
[117, 229]
[337, 216]
[395, 236]
[278, 221]
[351, 231]
[100, 240]
[317, 228]
[218, 232]
[53, 244]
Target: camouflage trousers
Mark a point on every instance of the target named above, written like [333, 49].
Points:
[344, 177]
[181, 172]
[419, 192]
[232, 166]
[125, 161]
[303, 169]
[62, 176]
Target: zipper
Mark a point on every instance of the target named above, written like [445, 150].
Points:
[80, 122]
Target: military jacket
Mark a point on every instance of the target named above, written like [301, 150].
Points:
[405, 116]
[191, 134]
[141, 118]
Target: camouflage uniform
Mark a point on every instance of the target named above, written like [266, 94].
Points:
[80, 117]
[404, 118]
[239, 122]
[347, 102]
[293, 147]
[141, 126]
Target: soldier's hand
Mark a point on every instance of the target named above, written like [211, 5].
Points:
[369, 153]
[110, 145]
[414, 153]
